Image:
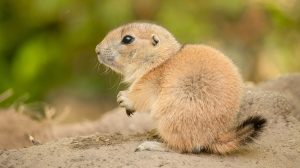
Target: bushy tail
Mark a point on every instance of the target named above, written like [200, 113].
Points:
[242, 135]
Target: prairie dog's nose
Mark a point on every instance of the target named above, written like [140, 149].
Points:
[97, 50]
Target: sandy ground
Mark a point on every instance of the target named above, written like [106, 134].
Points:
[278, 146]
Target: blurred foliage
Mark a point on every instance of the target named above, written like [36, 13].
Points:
[47, 46]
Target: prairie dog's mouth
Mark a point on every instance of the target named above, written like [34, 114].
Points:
[106, 61]
[105, 56]
[109, 62]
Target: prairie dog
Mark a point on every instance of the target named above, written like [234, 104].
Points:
[192, 91]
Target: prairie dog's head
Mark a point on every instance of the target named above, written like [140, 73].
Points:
[134, 48]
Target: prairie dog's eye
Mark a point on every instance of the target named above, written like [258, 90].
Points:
[127, 39]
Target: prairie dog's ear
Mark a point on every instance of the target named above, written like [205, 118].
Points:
[155, 39]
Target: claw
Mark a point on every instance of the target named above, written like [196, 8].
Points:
[129, 112]
[119, 101]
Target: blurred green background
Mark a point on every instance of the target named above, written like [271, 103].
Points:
[47, 46]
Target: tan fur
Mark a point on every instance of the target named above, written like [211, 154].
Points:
[192, 91]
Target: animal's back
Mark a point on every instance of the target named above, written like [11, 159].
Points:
[200, 96]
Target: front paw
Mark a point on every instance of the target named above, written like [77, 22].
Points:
[125, 102]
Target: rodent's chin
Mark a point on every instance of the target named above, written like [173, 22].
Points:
[110, 64]
[115, 69]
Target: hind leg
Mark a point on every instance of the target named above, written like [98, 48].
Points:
[152, 146]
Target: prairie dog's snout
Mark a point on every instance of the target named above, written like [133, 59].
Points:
[104, 54]
[107, 55]
[99, 52]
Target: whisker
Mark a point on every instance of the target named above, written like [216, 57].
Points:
[115, 84]
[95, 66]
[98, 67]
[107, 70]
[119, 82]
